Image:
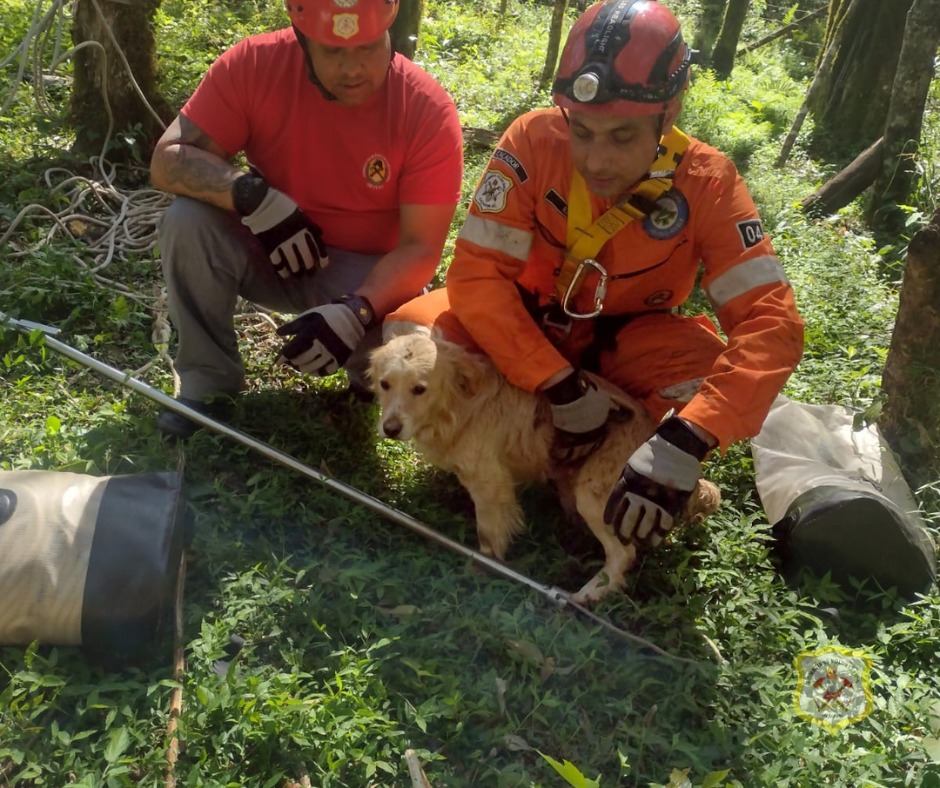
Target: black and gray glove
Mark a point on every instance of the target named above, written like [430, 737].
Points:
[579, 413]
[294, 243]
[325, 336]
[656, 483]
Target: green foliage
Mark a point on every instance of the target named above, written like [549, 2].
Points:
[363, 640]
[491, 66]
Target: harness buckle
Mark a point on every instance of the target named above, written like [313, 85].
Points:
[600, 291]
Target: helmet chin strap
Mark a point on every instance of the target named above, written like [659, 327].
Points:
[310, 72]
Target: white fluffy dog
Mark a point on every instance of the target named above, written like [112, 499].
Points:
[464, 417]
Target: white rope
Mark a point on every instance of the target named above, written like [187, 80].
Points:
[106, 223]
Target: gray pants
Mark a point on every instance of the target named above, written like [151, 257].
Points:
[209, 259]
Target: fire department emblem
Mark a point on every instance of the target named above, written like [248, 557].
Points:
[376, 170]
[669, 217]
[492, 192]
[833, 687]
[345, 3]
[345, 25]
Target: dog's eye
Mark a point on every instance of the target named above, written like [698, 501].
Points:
[383, 384]
[419, 390]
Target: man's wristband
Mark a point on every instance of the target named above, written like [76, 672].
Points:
[680, 435]
[360, 307]
[248, 191]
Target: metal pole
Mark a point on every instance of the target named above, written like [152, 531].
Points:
[556, 595]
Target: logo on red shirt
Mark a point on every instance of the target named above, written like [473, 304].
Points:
[376, 170]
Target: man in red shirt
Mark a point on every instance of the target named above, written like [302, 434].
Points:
[587, 233]
[356, 161]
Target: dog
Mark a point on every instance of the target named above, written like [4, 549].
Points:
[464, 417]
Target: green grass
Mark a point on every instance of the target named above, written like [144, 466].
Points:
[362, 639]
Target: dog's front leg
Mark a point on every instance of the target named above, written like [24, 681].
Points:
[498, 514]
[619, 558]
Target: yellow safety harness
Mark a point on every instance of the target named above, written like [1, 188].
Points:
[585, 239]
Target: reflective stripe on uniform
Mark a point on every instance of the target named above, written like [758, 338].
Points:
[497, 236]
[744, 277]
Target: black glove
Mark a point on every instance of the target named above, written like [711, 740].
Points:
[294, 243]
[325, 336]
[579, 414]
[656, 484]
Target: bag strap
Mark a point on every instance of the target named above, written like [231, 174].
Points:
[585, 239]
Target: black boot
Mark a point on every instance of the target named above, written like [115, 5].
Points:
[176, 426]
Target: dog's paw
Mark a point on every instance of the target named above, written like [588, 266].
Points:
[596, 589]
[705, 500]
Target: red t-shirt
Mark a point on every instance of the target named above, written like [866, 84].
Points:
[348, 168]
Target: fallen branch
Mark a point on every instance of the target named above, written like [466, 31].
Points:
[782, 31]
[479, 138]
[850, 182]
[418, 778]
[179, 665]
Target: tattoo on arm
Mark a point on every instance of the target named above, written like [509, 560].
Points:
[196, 162]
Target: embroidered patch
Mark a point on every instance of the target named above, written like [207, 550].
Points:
[557, 202]
[751, 232]
[833, 687]
[511, 161]
[345, 25]
[670, 216]
[492, 192]
[376, 170]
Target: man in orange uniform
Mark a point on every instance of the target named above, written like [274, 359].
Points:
[584, 239]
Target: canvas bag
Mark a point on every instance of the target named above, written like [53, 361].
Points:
[87, 560]
[837, 499]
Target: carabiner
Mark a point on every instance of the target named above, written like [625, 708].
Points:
[600, 291]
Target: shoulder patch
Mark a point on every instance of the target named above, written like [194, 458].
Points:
[512, 162]
[492, 192]
[557, 202]
[751, 232]
[669, 217]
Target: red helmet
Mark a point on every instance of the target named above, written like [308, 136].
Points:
[342, 23]
[623, 57]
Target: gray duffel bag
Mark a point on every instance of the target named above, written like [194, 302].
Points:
[87, 560]
[838, 501]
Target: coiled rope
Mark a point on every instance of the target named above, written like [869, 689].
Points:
[109, 222]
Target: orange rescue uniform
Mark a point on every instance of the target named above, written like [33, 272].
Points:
[501, 293]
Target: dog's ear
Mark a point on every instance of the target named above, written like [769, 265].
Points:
[468, 376]
[464, 372]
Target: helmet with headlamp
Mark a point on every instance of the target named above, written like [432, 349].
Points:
[623, 57]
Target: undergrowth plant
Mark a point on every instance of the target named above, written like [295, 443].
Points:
[362, 640]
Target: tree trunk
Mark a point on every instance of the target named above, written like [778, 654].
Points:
[407, 27]
[554, 40]
[727, 44]
[851, 104]
[833, 43]
[104, 98]
[709, 23]
[915, 71]
[911, 417]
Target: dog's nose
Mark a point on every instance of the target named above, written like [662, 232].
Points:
[392, 428]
